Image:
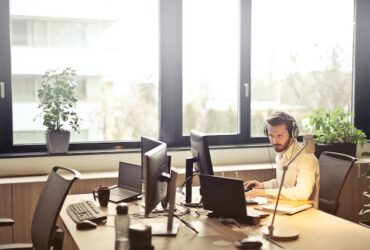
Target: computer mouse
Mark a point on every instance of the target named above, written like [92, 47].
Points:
[248, 243]
[249, 188]
[86, 224]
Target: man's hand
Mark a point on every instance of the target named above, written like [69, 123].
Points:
[255, 192]
[254, 183]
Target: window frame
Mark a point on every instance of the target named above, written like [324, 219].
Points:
[170, 81]
[362, 64]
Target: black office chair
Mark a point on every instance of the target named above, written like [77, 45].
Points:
[44, 232]
[334, 169]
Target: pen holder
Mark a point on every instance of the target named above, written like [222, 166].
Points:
[140, 236]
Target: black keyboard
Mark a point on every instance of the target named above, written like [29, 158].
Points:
[85, 210]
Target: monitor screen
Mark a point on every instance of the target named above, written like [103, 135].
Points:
[146, 145]
[155, 169]
[200, 151]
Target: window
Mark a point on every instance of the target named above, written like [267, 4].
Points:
[211, 49]
[160, 68]
[300, 63]
[115, 57]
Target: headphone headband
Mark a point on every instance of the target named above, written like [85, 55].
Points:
[283, 118]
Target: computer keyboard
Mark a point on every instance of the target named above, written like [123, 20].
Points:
[85, 210]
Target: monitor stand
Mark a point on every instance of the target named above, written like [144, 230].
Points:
[194, 203]
[169, 228]
[161, 229]
[189, 173]
[251, 220]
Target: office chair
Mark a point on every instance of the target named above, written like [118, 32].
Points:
[334, 169]
[44, 232]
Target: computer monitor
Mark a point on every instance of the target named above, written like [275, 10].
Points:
[202, 160]
[156, 183]
[146, 145]
[200, 151]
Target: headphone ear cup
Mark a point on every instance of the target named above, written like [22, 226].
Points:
[295, 130]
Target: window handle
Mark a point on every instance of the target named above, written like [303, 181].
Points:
[246, 85]
[2, 90]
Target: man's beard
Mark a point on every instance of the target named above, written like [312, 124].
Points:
[280, 148]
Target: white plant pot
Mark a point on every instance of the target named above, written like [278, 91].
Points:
[57, 142]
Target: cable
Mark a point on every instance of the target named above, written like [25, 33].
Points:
[187, 179]
[268, 151]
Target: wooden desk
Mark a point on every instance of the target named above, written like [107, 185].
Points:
[318, 230]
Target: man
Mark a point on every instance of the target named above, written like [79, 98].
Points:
[302, 176]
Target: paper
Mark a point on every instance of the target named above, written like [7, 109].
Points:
[284, 208]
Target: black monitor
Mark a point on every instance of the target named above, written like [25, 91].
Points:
[156, 183]
[200, 151]
[146, 145]
[202, 160]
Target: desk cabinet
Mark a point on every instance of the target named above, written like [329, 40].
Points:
[5, 212]
[351, 200]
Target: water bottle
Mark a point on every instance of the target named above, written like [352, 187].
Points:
[122, 224]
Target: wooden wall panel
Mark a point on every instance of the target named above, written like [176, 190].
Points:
[6, 235]
[87, 185]
[25, 198]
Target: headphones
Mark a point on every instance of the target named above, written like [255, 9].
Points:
[283, 118]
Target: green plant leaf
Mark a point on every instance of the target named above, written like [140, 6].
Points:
[57, 98]
[334, 126]
[364, 211]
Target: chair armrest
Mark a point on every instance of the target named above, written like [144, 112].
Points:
[57, 238]
[6, 222]
[328, 206]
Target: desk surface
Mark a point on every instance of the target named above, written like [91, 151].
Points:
[318, 230]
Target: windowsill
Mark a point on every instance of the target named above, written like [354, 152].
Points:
[119, 151]
[69, 153]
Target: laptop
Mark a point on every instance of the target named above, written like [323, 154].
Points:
[225, 198]
[129, 183]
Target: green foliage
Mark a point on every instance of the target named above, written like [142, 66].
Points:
[334, 127]
[366, 208]
[57, 98]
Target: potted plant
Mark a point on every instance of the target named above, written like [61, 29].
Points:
[57, 99]
[366, 208]
[334, 131]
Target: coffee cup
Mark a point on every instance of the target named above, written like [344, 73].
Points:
[102, 193]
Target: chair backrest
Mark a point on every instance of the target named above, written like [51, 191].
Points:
[334, 169]
[49, 205]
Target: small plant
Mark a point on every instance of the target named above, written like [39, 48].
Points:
[57, 98]
[366, 208]
[334, 126]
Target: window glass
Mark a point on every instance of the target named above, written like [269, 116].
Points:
[211, 51]
[302, 53]
[112, 45]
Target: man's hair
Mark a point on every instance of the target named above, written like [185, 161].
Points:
[279, 118]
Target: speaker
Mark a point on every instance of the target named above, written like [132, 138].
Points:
[289, 121]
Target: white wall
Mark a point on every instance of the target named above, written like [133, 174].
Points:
[109, 162]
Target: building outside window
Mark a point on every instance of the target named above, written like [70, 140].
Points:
[235, 61]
